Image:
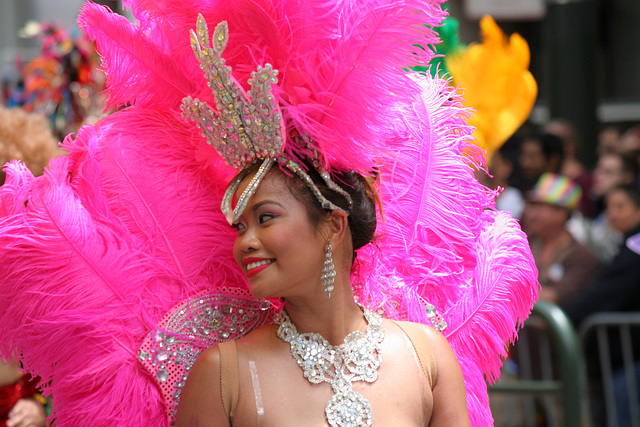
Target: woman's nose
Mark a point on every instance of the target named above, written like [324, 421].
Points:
[248, 241]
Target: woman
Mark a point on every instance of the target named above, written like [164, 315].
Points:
[281, 243]
[127, 234]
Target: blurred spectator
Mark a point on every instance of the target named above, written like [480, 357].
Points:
[613, 169]
[539, 153]
[630, 146]
[499, 172]
[501, 168]
[617, 287]
[19, 404]
[565, 266]
[564, 129]
[571, 167]
[630, 140]
[608, 140]
[25, 137]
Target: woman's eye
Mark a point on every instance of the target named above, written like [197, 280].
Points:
[237, 226]
[266, 217]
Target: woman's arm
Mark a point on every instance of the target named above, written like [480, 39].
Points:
[449, 396]
[201, 401]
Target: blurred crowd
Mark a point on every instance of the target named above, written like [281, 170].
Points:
[583, 223]
[580, 221]
[63, 83]
[42, 101]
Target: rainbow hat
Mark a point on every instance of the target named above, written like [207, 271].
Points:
[556, 190]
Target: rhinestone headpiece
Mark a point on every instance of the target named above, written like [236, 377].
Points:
[245, 128]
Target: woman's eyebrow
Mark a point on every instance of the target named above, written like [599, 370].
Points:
[265, 202]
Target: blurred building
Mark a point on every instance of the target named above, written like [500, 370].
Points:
[14, 14]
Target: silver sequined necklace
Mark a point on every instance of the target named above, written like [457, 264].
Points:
[357, 359]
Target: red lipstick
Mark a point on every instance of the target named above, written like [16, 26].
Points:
[255, 270]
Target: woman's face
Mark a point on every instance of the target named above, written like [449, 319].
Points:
[544, 219]
[277, 247]
[622, 213]
[608, 174]
[531, 159]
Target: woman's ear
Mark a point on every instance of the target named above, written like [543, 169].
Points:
[336, 227]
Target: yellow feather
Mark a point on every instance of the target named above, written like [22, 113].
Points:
[494, 76]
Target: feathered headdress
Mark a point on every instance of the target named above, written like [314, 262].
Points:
[105, 254]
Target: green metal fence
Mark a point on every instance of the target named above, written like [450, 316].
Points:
[550, 370]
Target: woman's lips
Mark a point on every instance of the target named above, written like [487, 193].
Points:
[256, 265]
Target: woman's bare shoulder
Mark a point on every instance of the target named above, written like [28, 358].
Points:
[209, 358]
[200, 400]
[449, 396]
[208, 362]
[436, 338]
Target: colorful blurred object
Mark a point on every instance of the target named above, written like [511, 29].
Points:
[449, 33]
[26, 137]
[63, 82]
[496, 83]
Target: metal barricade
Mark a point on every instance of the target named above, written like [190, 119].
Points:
[548, 380]
[617, 343]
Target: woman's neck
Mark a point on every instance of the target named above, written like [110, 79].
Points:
[333, 318]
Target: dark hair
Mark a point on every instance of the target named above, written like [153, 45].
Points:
[551, 146]
[362, 212]
[629, 166]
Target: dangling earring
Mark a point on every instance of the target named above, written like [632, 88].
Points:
[328, 271]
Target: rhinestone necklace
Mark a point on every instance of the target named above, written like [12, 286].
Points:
[358, 359]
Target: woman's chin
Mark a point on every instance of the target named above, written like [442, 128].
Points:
[259, 292]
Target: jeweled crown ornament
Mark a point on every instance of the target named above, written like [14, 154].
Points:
[245, 128]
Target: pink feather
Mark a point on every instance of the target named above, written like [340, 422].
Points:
[16, 188]
[351, 56]
[62, 272]
[165, 197]
[489, 313]
[133, 62]
[462, 258]
[110, 239]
